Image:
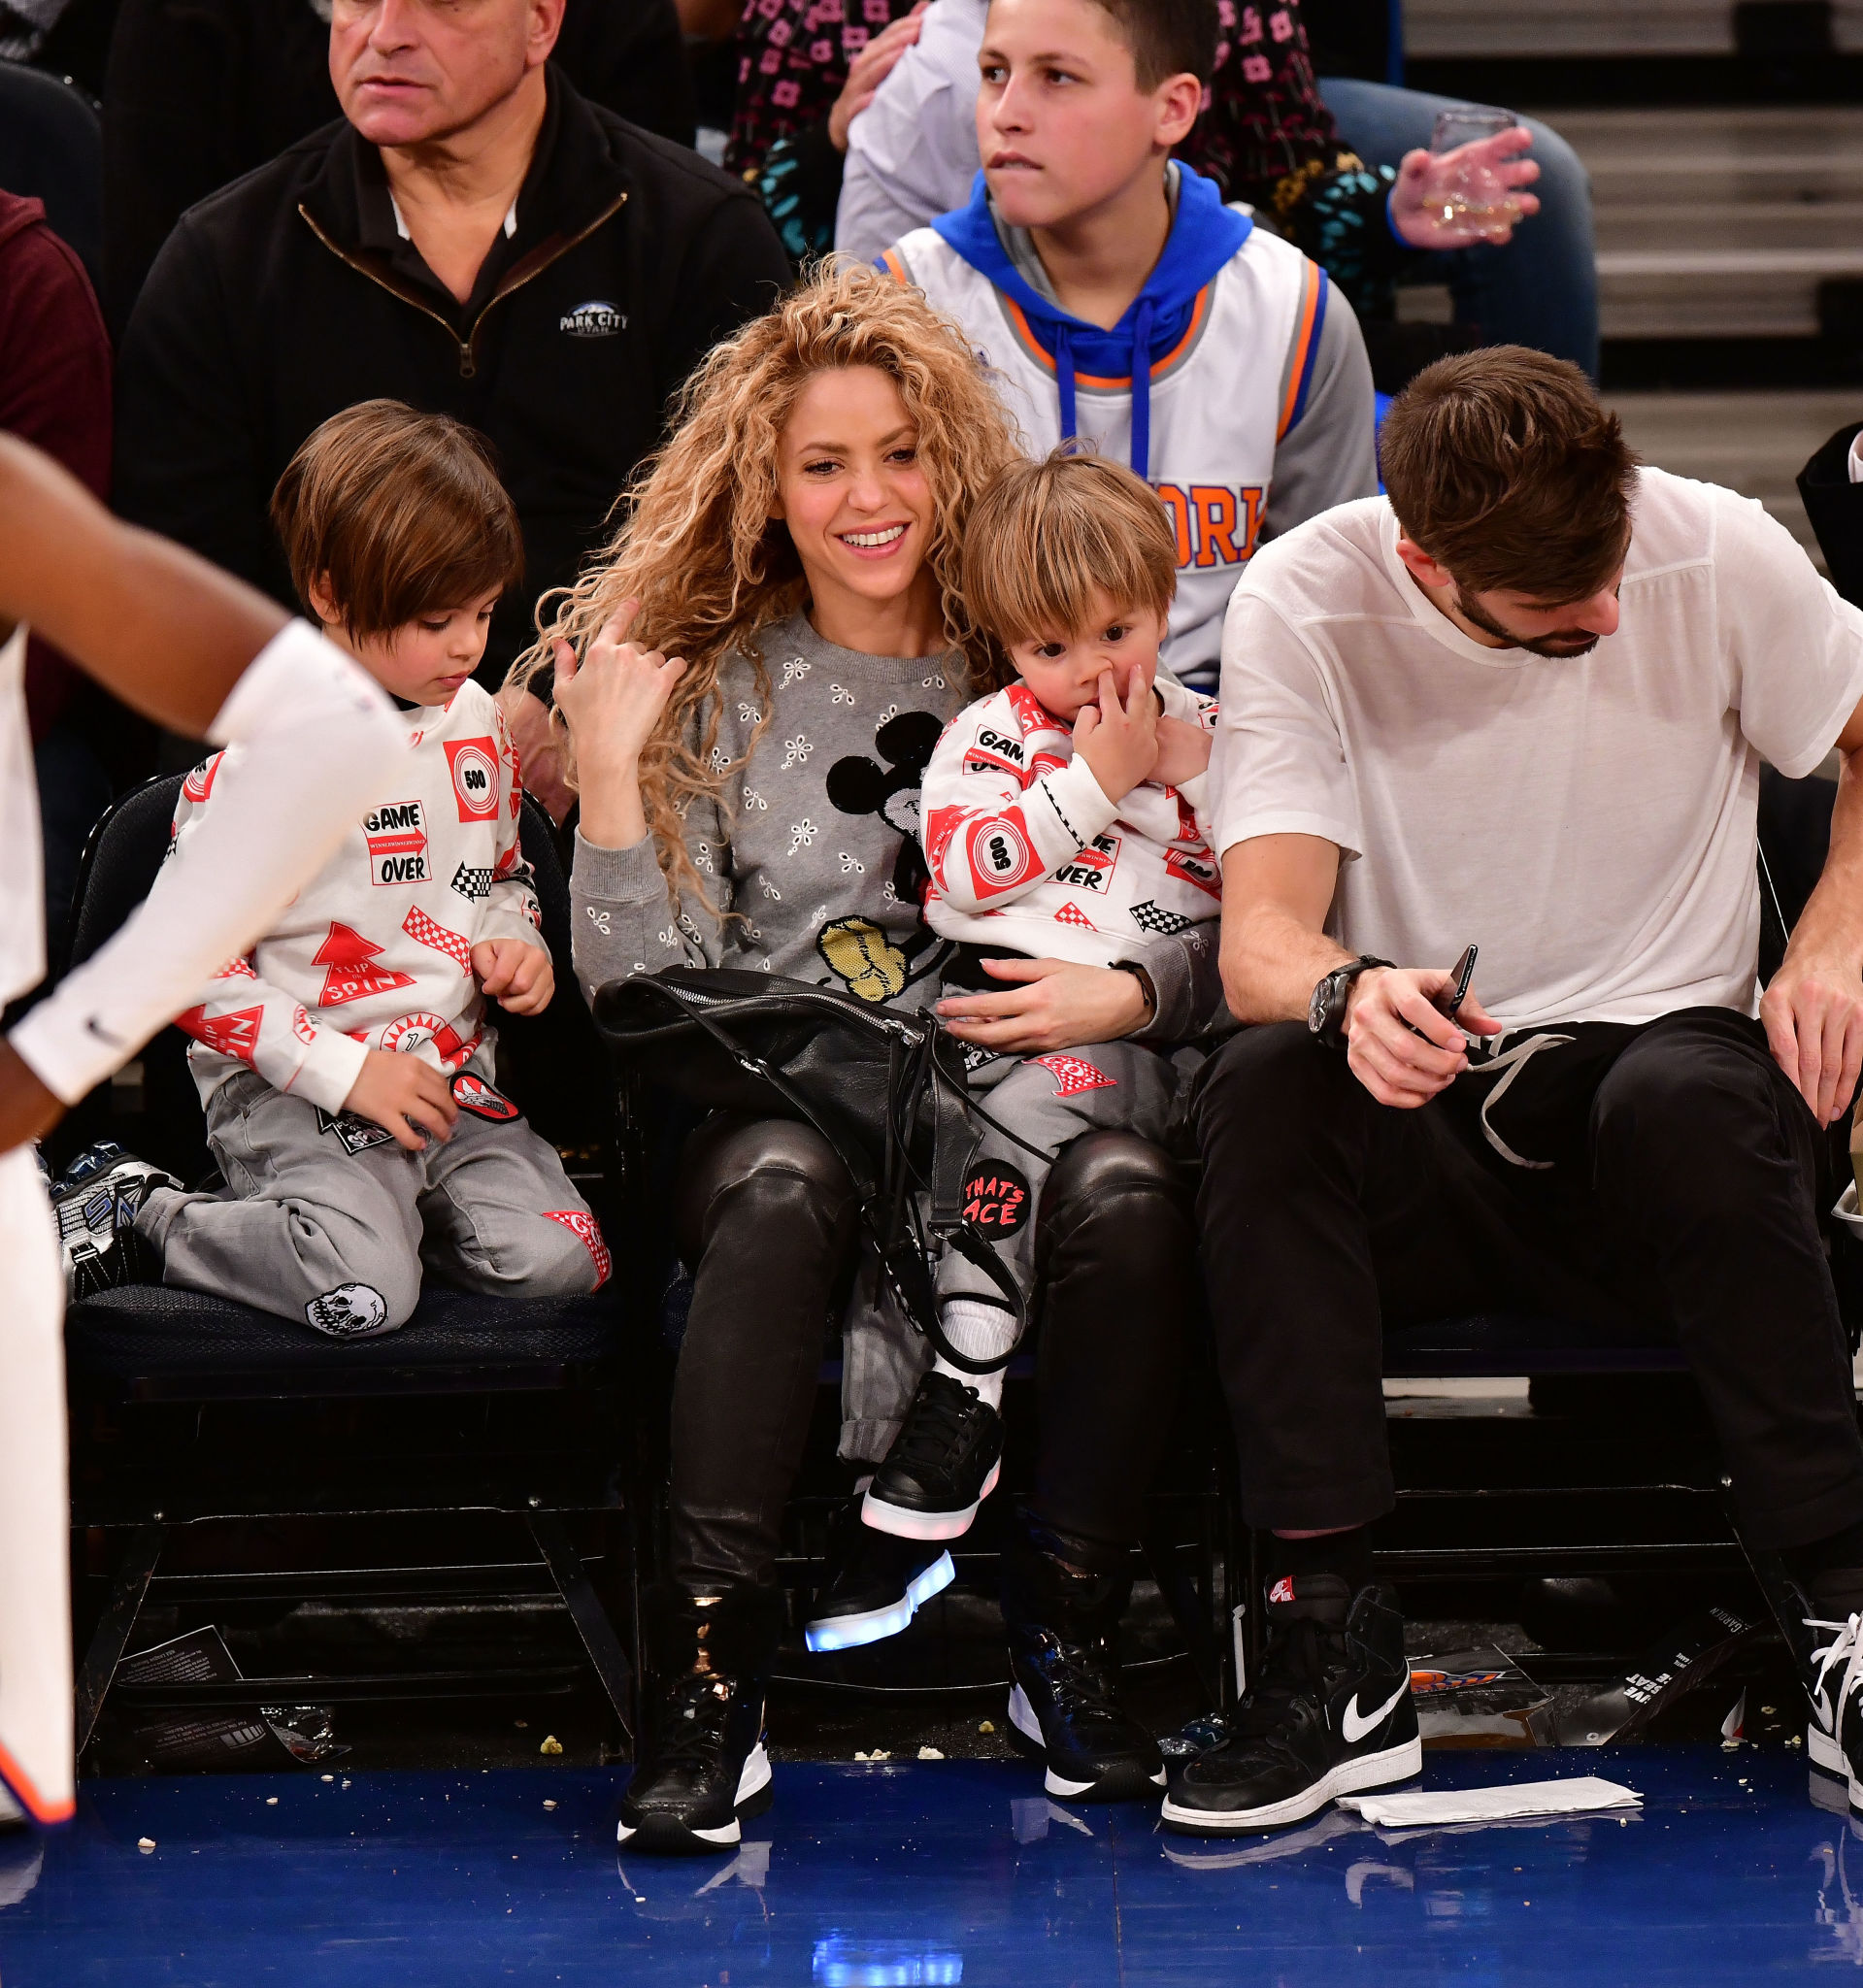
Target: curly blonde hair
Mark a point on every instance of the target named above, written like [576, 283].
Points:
[712, 567]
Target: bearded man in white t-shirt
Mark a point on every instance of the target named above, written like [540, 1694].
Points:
[1522, 704]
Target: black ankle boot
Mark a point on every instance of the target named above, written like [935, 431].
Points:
[1064, 1654]
[704, 1768]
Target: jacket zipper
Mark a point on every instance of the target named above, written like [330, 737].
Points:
[515, 280]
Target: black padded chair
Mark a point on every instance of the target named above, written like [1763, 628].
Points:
[52, 148]
[186, 1406]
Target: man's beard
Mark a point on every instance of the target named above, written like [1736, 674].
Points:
[1562, 644]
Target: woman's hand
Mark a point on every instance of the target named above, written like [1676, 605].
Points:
[1426, 202]
[1183, 752]
[612, 703]
[1053, 1005]
[869, 69]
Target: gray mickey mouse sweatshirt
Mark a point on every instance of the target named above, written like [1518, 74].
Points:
[816, 848]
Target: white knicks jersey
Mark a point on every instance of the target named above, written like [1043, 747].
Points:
[1217, 407]
[1027, 853]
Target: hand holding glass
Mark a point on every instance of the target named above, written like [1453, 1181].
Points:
[1470, 186]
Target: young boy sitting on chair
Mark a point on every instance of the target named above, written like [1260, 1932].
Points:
[344, 1062]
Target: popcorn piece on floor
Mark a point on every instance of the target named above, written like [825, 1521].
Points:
[552, 1744]
[329, 1778]
[929, 1754]
[271, 1801]
[547, 1803]
[986, 1724]
[144, 1844]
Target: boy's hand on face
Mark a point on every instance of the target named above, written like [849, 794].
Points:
[1183, 752]
[517, 975]
[405, 1096]
[1119, 741]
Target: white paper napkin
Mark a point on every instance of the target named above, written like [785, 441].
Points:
[1585, 1795]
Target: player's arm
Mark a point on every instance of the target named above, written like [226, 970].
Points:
[166, 632]
[203, 654]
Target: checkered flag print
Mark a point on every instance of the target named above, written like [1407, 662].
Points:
[1151, 916]
[423, 928]
[1071, 915]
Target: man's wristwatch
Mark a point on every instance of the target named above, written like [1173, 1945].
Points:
[1326, 1011]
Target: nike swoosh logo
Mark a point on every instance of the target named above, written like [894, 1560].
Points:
[1354, 1725]
[1823, 1714]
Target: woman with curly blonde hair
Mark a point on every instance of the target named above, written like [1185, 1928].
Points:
[753, 677]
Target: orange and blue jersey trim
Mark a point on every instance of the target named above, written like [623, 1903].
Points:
[1043, 357]
[1310, 321]
[41, 1808]
[889, 261]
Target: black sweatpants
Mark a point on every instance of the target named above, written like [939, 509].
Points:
[1676, 1172]
[767, 1219]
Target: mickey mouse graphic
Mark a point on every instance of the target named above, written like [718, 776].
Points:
[858, 952]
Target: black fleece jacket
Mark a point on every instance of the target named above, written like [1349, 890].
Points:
[199, 92]
[287, 297]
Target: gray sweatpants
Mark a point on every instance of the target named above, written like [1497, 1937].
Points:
[327, 1219]
[1047, 1101]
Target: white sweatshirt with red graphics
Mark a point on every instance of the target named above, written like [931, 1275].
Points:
[375, 952]
[1026, 853]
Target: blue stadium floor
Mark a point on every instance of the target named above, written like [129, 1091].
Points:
[942, 1872]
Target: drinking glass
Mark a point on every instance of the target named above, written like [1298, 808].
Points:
[1472, 194]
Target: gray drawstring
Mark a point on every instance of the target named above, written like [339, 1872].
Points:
[1512, 1061]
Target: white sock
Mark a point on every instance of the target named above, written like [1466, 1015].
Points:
[983, 1331]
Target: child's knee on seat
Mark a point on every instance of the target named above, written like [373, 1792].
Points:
[564, 1255]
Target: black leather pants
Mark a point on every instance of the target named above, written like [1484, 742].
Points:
[767, 1218]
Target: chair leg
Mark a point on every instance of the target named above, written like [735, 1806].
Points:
[1192, 1619]
[585, 1611]
[130, 1583]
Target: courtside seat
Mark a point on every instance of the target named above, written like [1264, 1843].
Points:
[150, 1343]
[482, 1419]
[1494, 1344]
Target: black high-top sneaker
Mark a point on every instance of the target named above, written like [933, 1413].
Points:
[1330, 1715]
[942, 1465]
[705, 1767]
[875, 1584]
[1064, 1655]
[96, 1202]
[1821, 1633]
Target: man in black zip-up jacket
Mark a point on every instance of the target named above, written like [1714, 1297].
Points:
[298, 291]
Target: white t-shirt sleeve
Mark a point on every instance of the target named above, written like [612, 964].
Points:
[912, 153]
[1796, 646]
[1278, 764]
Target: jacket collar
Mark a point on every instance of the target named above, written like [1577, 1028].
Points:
[574, 179]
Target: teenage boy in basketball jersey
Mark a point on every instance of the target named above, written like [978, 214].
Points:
[1117, 298]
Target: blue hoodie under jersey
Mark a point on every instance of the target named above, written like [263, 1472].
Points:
[1205, 235]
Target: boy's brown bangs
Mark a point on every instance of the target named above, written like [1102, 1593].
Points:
[1048, 536]
[402, 513]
